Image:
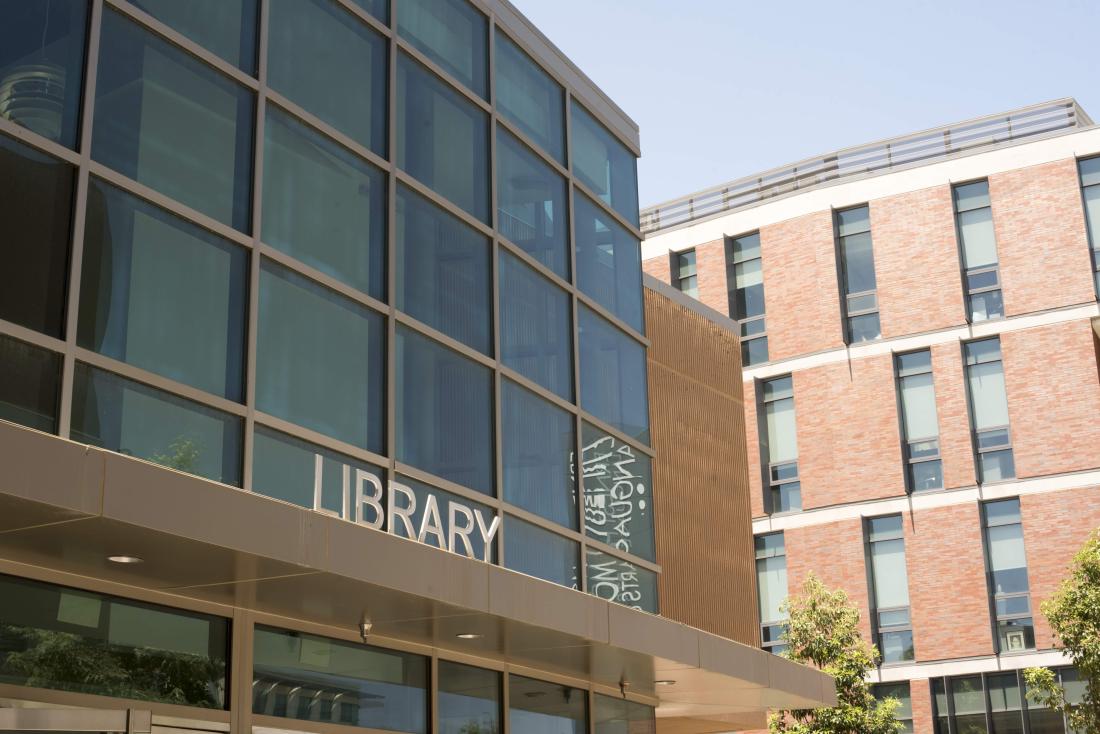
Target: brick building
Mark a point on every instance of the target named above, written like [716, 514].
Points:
[919, 328]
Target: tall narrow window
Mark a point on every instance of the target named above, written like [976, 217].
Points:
[744, 271]
[985, 382]
[687, 280]
[919, 424]
[1008, 584]
[771, 589]
[1090, 189]
[886, 549]
[979, 251]
[857, 261]
[785, 491]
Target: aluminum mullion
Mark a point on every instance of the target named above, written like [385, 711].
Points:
[31, 139]
[439, 200]
[529, 260]
[494, 250]
[288, 107]
[542, 392]
[391, 247]
[426, 477]
[366, 17]
[33, 337]
[600, 203]
[441, 339]
[322, 440]
[514, 130]
[320, 278]
[607, 315]
[616, 433]
[442, 74]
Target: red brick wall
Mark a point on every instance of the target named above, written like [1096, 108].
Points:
[848, 433]
[917, 262]
[801, 297]
[1055, 527]
[834, 553]
[1042, 245]
[710, 261]
[956, 448]
[659, 267]
[752, 439]
[948, 596]
[1053, 397]
[920, 693]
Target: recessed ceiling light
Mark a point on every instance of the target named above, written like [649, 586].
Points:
[664, 682]
[124, 559]
[469, 636]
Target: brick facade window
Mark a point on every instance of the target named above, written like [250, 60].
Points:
[890, 584]
[997, 702]
[919, 422]
[985, 382]
[1090, 190]
[687, 280]
[1009, 589]
[745, 273]
[771, 589]
[982, 277]
[784, 487]
[857, 275]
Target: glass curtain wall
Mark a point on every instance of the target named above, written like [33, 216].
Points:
[996, 703]
[277, 262]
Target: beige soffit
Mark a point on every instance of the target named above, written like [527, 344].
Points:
[65, 506]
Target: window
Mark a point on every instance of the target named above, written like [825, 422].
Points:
[609, 263]
[623, 582]
[452, 34]
[42, 67]
[546, 708]
[529, 98]
[341, 395]
[771, 590]
[746, 298]
[171, 122]
[919, 423]
[442, 138]
[900, 692]
[469, 699]
[890, 616]
[857, 274]
[531, 204]
[974, 219]
[687, 280]
[444, 412]
[618, 493]
[302, 676]
[996, 703]
[30, 385]
[985, 382]
[69, 640]
[162, 294]
[613, 376]
[540, 553]
[226, 27]
[36, 206]
[1042, 720]
[132, 419]
[538, 444]
[603, 164]
[333, 65]
[619, 716]
[444, 271]
[323, 205]
[781, 443]
[536, 326]
[1090, 190]
[1008, 584]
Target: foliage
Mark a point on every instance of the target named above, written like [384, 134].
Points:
[183, 454]
[1074, 615]
[823, 631]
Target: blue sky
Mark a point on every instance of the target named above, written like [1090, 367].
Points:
[726, 88]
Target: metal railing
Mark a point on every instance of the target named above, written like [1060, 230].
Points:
[887, 155]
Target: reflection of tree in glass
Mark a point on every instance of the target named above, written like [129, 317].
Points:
[476, 728]
[183, 454]
[65, 661]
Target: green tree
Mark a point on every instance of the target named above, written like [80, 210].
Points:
[1074, 615]
[823, 630]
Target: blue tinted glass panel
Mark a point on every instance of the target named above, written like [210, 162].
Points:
[469, 699]
[443, 271]
[536, 331]
[226, 27]
[442, 138]
[531, 204]
[444, 412]
[341, 395]
[538, 443]
[613, 376]
[323, 204]
[30, 383]
[42, 66]
[332, 64]
[300, 676]
[540, 553]
[604, 165]
[136, 420]
[620, 581]
[545, 708]
[754, 351]
[36, 204]
[618, 493]
[172, 123]
[529, 98]
[162, 294]
[609, 262]
[286, 468]
[452, 34]
[466, 536]
[73, 640]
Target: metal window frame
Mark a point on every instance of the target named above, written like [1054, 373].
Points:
[770, 483]
[877, 628]
[762, 555]
[967, 272]
[875, 688]
[991, 592]
[1093, 237]
[1025, 705]
[907, 443]
[681, 280]
[732, 261]
[839, 242]
[500, 18]
[976, 447]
